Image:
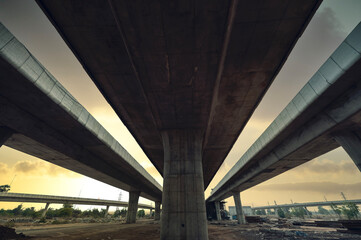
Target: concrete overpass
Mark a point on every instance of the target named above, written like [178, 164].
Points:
[308, 204]
[49, 199]
[184, 77]
[324, 115]
[38, 116]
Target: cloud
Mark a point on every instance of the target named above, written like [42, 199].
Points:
[4, 168]
[328, 167]
[318, 187]
[321, 37]
[40, 167]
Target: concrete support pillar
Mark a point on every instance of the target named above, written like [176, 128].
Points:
[276, 212]
[218, 211]
[132, 206]
[5, 134]
[106, 211]
[352, 145]
[239, 210]
[308, 212]
[45, 210]
[157, 211]
[184, 210]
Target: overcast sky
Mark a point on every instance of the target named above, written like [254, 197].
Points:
[327, 175]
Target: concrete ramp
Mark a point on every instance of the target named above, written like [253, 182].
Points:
[324, 115]
[40, 117]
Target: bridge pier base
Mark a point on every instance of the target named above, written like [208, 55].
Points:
[106, 212]
[184, 210]
[157, 211]
[218, 210]
[237, 201]
[5, 134]
[132, 206]
[352, 145]
[45, 210]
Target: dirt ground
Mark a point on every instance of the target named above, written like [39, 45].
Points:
[150, 230]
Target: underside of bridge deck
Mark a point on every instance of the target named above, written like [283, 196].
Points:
[184, 77]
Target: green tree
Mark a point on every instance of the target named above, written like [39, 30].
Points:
[281, 213]
[323, 211]
[103, 212]
[116, 213]
[29, 212]
[123, 212]
[18, 210]
[66, 211]
[76, 213]
[299, 212]
[259, 212]
[350, 210]
[141, 213]
[336, 210]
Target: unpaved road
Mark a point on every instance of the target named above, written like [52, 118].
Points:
[116, 231]
[150, 230]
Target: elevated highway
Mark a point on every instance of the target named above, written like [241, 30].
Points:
[37, 198]
[38, 116]
[324, 115]
[308, 204]
[184, 77]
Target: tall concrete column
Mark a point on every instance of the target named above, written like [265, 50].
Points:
[157, 211]
[276, 212]
[308, 212]
[106, 211]
[352, 145]
[132, 206]
[183, 205]
[218, 210]
[5, 134]
[45, 210]
[237, 201]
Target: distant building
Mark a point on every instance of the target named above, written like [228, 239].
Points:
[247, 210]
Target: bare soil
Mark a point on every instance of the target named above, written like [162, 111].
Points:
[150, 230]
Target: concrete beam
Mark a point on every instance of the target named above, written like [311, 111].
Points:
[308, 204]
[184, 210]
[237, 201]
[45, 210]
[157, 211]
[352, 145]
[218, 210]
[49, 123]
[37, 198]
[328, 104]
[5, 134]
[132, 207]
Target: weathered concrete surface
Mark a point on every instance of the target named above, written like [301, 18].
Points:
[308, 204]
[351, 142]
[132, 207]
[182, 64]
[49, 123]
[45, 210]
[106, 211]
[183, 206]
[238, 204]
[37, 198]
[329, 104]
[218, 210]
[157, 211]
[5, 134]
